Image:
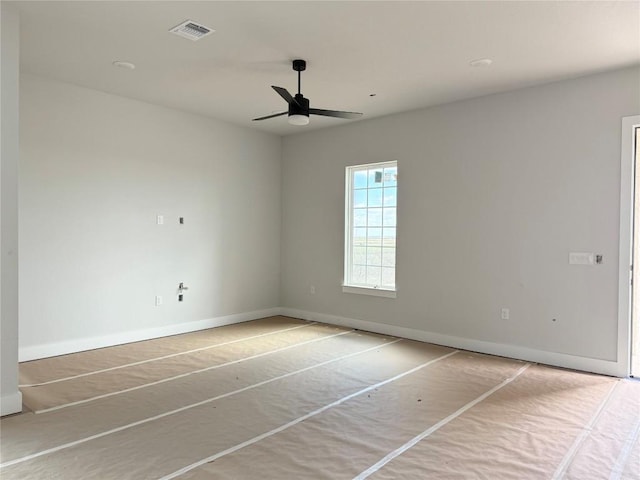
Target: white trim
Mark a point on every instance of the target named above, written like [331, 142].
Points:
[82, 344]
[367, 166]
[348, 225]
[348, 220]
[605, 367]
[626, 244]
[376, 292]
[575, 362]
[11, 403]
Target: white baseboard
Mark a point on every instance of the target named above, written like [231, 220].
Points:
[11, 403]
[81, 344]
[504, 350]
[512, 351]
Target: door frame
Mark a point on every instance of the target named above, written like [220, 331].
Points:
[627, 187]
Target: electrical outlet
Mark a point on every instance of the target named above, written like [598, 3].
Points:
[504, 314]
[158, 300]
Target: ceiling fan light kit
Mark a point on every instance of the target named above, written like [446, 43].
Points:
[297, 119]
[299, 109]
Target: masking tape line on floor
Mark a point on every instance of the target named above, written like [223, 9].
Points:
[584, 433]
[203, 402]
[400, 450]
[141, 362]
[193, 372]
[301, 419]
[623, 457]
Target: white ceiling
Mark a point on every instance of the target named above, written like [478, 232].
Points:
[410, 54]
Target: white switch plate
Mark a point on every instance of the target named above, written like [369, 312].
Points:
[504, 314]
[160, 219]
[312, 289]
[581, 258]
[158, 300]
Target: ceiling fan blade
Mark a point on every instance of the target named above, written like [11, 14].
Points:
[270, 116]
[335, 113]
[284, 93]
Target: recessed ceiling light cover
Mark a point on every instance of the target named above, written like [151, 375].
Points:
[191, 30]
[481, 62]
[127, 65]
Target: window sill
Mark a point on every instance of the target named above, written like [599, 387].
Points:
[375, 292]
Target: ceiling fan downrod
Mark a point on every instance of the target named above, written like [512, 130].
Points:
[299, 66]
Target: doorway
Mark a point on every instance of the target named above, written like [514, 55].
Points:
[628, 356]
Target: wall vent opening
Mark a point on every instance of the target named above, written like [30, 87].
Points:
[191, 30]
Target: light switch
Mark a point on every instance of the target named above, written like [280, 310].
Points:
[160, 219]
[580, 258]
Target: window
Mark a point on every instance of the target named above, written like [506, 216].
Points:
[370, 229]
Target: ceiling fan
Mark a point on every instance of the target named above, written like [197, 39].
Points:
[299, 110]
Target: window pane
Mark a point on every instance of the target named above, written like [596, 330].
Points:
[375, 217]
[360, 217]
[390, 176]
[388, 257]
[389, 237]
[374, 256]
[389, 217]
[375, 177]
[388, 277]
[374, 276]
[371, 225]
[359, 275]
[359, 255]
[360, 198]
[390, 197]
[375, 197]
[374, 237]
[359, 236]
[360, 179]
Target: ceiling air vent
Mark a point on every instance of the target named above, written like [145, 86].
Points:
[191, 30]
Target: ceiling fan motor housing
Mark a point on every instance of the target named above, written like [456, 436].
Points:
[300, 106]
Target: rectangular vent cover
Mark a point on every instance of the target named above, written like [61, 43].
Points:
[191, 30]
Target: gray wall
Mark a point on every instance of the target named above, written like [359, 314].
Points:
[10, 397]
[493, 194]
[96, 170]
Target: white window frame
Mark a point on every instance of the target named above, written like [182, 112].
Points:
[348, 286]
